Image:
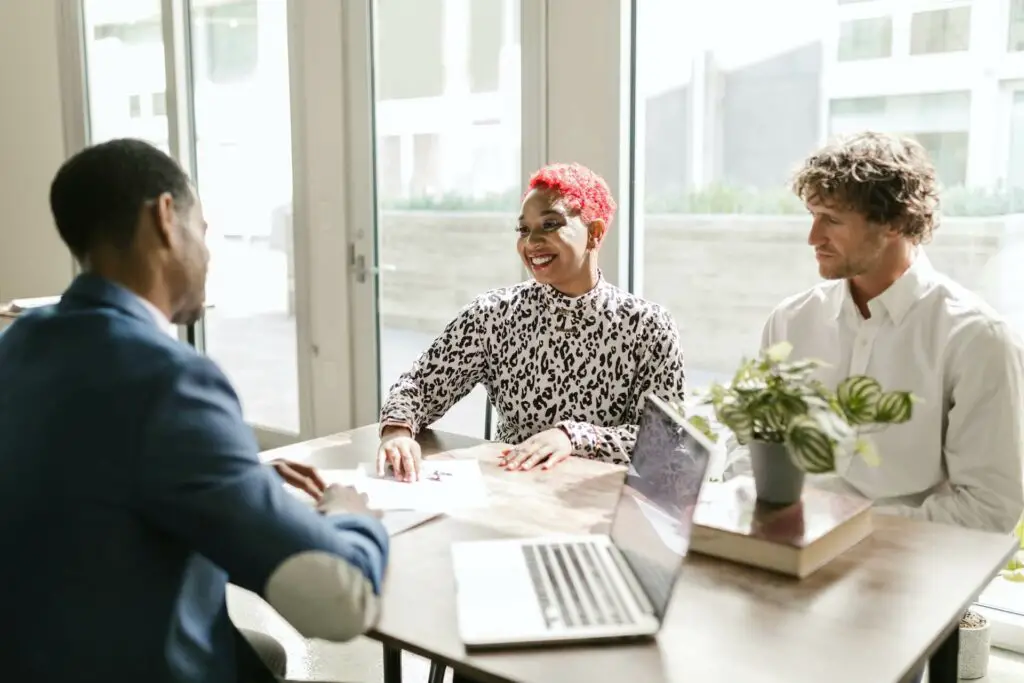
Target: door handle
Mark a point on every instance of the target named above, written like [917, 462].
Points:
[361, 270]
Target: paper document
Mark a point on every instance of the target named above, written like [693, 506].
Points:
[397, 521]
[341, 477]
[19, 305]
[444, 485]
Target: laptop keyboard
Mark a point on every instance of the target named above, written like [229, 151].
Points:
[573, 585]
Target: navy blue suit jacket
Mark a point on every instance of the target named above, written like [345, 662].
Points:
[130, 494]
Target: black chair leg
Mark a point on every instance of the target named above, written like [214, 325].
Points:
[392, 665]
[437, 672]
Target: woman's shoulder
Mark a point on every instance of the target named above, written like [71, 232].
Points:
[636, 307]
[503, 297]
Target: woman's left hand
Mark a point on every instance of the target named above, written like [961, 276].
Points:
[549, 447]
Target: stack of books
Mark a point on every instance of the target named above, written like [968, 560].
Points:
[796, 539]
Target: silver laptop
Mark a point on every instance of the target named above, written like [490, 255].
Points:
[572, 588]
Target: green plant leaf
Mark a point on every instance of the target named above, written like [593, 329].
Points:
[701, 423]
[809, 446]
[833, 425]
[737, 420]
[1017, 561]
[865, 448]
[858, 397]
[1015, 575]
[894, 407]
[775, 417]
[779, 352]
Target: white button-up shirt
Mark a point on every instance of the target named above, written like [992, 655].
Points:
[958, 460]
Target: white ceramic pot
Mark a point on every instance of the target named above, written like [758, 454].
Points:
[974, 649]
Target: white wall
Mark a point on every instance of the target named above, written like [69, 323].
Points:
[33, 260]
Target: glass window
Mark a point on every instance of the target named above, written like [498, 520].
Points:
[227, 34]
[485, 18]
[1015, 172]
[411, 48]
[939, 121]
[865, 39]
[726, 110]
[944, 30]
[124, 55]
[1016, 37]
[244, 173]
[159, 101]
[448, 172]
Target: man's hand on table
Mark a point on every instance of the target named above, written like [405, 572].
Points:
[301, 476]
[548, 448]
[399, 451]
[338, 499]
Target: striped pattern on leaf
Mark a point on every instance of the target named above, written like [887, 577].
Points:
[809, 447]
[737, 420]
[894, 407]
[858, 397]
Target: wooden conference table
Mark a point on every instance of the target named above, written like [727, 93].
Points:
[874, 615]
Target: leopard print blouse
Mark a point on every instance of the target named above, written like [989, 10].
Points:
[583, 364]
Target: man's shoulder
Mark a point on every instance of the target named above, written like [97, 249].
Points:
[954, 300]
[810, 301]
[967, 318]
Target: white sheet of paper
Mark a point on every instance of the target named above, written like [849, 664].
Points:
[341, 477]
[444, 485]
[395, 521]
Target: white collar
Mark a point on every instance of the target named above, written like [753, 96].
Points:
[897, 300]
[159, 318]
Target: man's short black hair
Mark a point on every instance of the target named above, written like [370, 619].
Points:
[98, 193]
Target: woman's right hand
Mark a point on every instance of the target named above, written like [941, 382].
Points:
[399, 451]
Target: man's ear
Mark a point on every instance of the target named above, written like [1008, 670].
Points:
[595, 233]
[165, 219]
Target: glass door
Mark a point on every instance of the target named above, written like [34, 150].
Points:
[447, 108]
[208, 82]
[240, 89]
[123, 45]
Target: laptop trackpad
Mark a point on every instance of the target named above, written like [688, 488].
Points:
[491, 579]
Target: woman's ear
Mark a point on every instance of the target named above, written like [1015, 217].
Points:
[595, 233]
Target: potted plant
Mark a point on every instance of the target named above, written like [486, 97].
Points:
[793, 424]
[975, 644]
[1014, 570]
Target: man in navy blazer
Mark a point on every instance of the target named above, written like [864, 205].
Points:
[130, 488]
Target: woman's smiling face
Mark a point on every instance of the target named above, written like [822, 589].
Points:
[553, 241]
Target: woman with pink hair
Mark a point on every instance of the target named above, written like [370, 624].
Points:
[566, 358]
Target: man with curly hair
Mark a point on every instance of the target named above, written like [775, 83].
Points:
[884, 311]
[566, 357]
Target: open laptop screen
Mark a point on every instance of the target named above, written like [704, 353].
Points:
[653, 518]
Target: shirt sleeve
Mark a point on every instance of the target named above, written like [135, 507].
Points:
[984, 440]
[660, 372]
[200, 480]
[454, 363]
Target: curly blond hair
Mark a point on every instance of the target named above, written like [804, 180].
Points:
[886, 178]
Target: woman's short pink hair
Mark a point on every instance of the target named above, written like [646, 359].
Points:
[584, 191]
